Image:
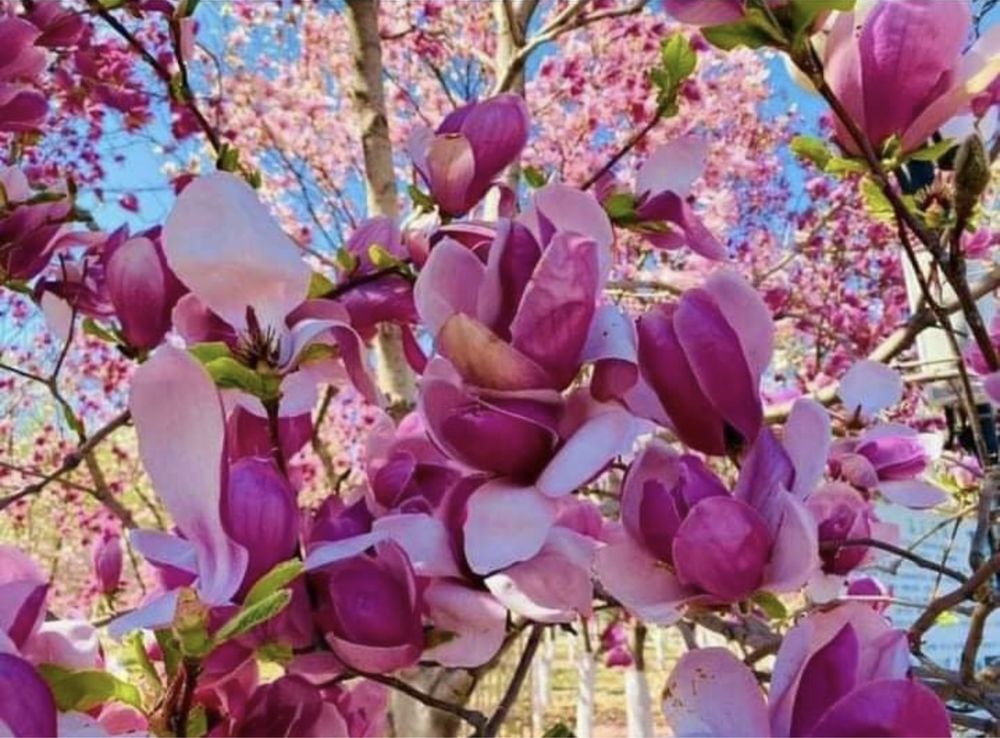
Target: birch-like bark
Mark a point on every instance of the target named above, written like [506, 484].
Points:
[367, 93]
[586, 692]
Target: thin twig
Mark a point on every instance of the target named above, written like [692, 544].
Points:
[492, 726]
[897, 551]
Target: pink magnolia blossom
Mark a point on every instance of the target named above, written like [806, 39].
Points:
[901, 70]
[840, 673]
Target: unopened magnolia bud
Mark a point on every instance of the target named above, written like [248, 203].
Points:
[972, 174]
[108, 563]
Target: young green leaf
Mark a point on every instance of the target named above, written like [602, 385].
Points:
[771, 605]
[280, 576]
[811, 149]
[250, 616]
[87, 688]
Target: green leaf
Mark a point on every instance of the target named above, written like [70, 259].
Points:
[275, 653]
[876, 203]
[421, 200]
[678, 61]
[319, 286]
[771, 605]
[346, 260]
[678, 57]
[947, 618]
[209, 351]
[86, 689]
[92, 328]
[136, 660]
[171, 650]
[190, 624]
[280, 576]
[932, 152]
[620, 207]
[811, 149]
[559, 730]
[17, 285]
[197, 722]
[534, 176]
[229, 158]
[381, 258]
[804, 13]
[251, 616]
[839, 166]
[754, 31]
[228, 373]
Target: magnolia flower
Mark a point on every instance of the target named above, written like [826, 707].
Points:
[900, 69]
[890, 458]
[523, 319]
[27, 707]
[369, 609]
[141, 287]
[663, 185]
[841, 513]
[704, 356]
[291, 706]
[29, 233]
[61, 27]
[536, 448]
[21, 107]
[178, 415]
[686, 539]
[225, 247]
[840, 673]
[461, 160]
[107, 562]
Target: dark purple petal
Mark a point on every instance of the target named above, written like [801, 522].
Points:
[722, 547]
[665, 367]
[890, 707]
[829, 675]
[259, 513]
[766, 475]
[26, 705]
[718, 360]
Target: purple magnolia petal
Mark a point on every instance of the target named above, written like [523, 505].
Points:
[474, 621]
[451, 171]
[807, 442]
[143, 291]
[656, 463]
[344, 548]
[71, 644]
[426, 541]
[794, 556]
[765, 478]
[484, 360]
[605, 435]
[908, 49]
[260, 514]
[482, 436]
[711, 693]
[842, 64]
[559, 207]
[223, 244]
[977, 71]
[869, 387]
[913, 493]
[665, 367]
[497, 129]
[22, 595]
[27, 707]
[513, 256]
[370, 610]
[722, 547]
[156, 612]
[717, 358]
[640, 582]
[673, 209]
[991, 385]
[673, 167]
[22, 109]
[554, 586]
[159, 548]
[558, 306]
[181, 427]
[748, 314]
[21, 58]
[891, 707]
[830, 674]
[505, 524]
